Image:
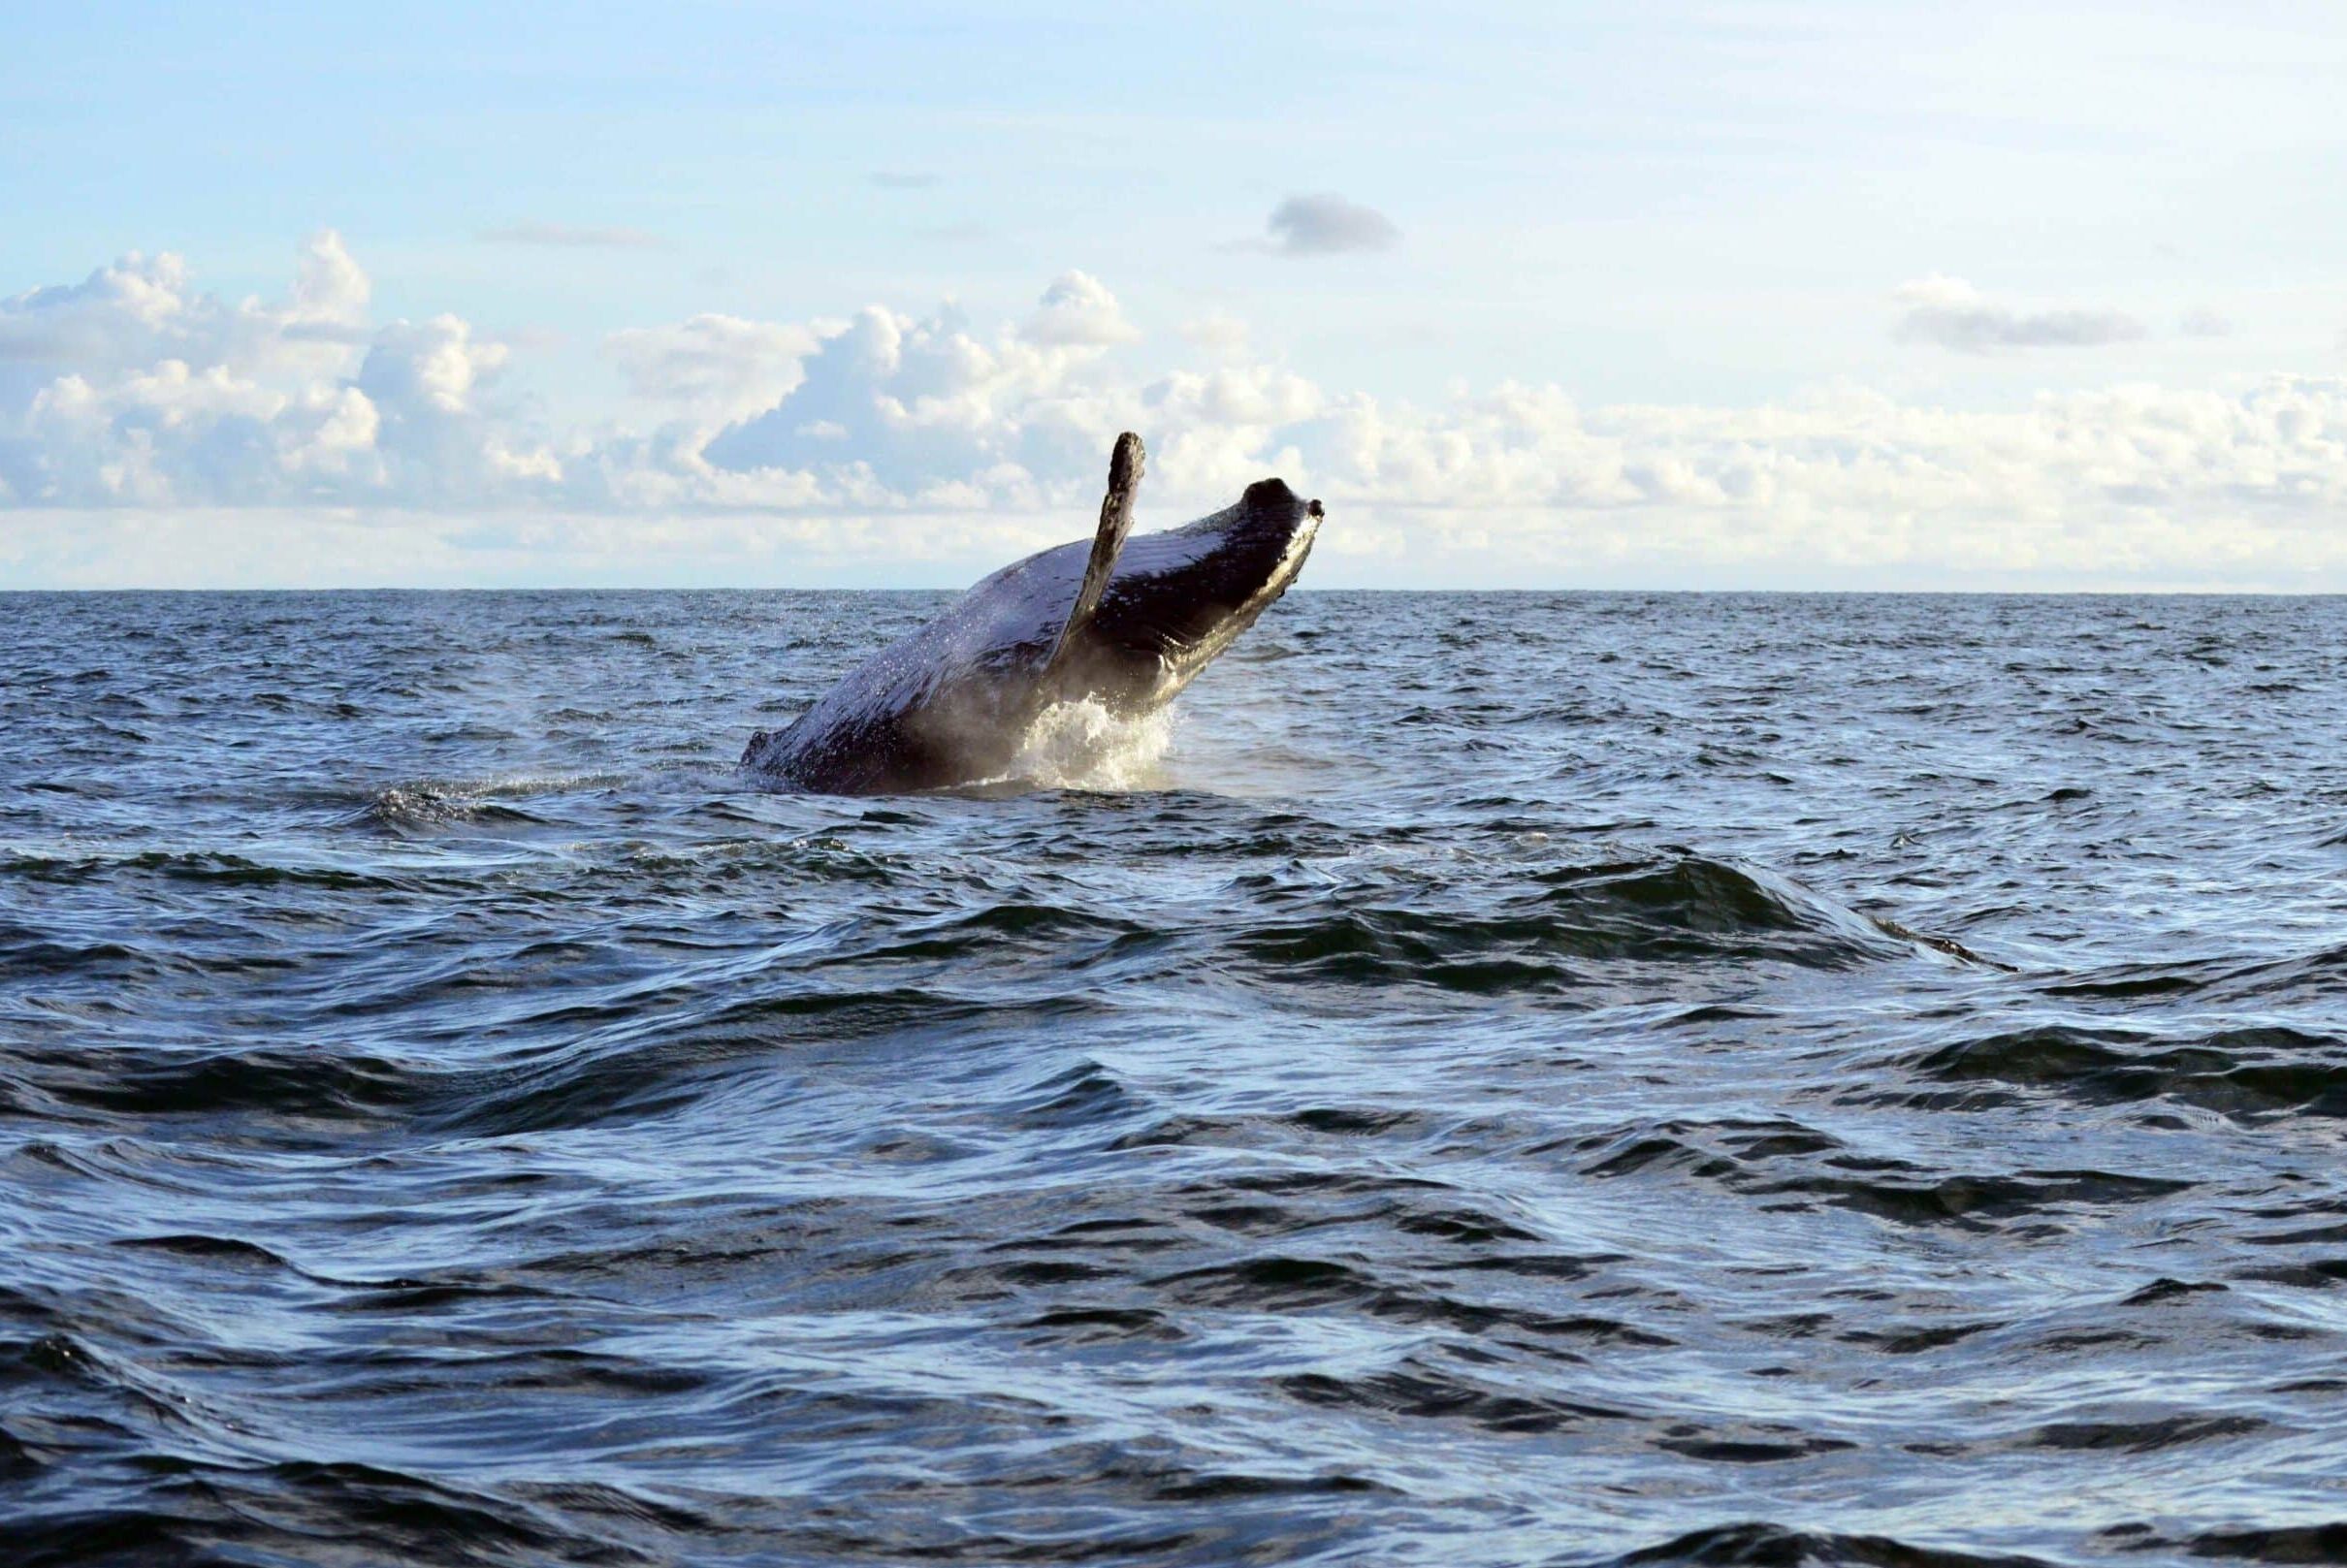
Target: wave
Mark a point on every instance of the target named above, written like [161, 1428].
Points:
[1686, 909]
[2241, 1072]
[189, 866]
[294, 1512]
[1797, 1167]
[292, 1082]
[1760, 1545]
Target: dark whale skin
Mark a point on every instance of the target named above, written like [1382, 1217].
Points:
[951, 703]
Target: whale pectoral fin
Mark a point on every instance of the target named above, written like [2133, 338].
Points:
[1115, 522]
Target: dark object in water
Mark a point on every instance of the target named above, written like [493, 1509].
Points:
[1126, 624]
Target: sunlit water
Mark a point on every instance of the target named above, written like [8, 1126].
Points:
[1491, 1080]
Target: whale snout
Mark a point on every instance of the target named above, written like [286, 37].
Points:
[1272, 498]
[1267, 495]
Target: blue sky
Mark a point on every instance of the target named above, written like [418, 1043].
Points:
[1666, 294]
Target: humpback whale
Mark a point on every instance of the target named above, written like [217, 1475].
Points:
[1124, 623]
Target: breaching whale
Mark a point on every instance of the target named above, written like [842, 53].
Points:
[1124, 623]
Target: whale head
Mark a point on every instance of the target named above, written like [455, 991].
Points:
[1180, 598]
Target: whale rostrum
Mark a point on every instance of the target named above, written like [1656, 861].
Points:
[1124, 622]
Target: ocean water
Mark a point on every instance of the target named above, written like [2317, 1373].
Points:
[1493, 1079]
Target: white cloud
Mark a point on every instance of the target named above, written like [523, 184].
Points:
[436, 445]
[715, 365]
[330, 288]
[927, 411]
[916, 442]
[433, 366]
[1078, 311]
[133, 387]
[1952, 313]
[141, 310]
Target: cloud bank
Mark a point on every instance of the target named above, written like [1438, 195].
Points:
[186, 434]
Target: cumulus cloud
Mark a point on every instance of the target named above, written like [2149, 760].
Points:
[330, 288]
[1952, 313]
[1078, 311]
[722, 365]
[135, 387]
[891, 436]
[1327, 225]
[143, 311]
[930, 410]
[567, 236]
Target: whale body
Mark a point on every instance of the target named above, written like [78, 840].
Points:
[1124, 623]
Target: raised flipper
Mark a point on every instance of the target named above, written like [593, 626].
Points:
[1115, 522]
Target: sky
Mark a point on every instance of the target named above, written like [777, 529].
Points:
[1770, 295]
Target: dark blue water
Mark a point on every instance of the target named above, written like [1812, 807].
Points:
[1508, 1079]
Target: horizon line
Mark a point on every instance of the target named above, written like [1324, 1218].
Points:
[1418, 593]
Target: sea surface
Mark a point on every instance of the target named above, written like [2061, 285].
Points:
[1494, 1080]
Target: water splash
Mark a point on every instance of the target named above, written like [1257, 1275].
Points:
[1083, 746]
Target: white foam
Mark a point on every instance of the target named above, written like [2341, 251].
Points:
[1083, 746]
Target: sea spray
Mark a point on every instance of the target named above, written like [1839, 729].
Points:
[1083, 746]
